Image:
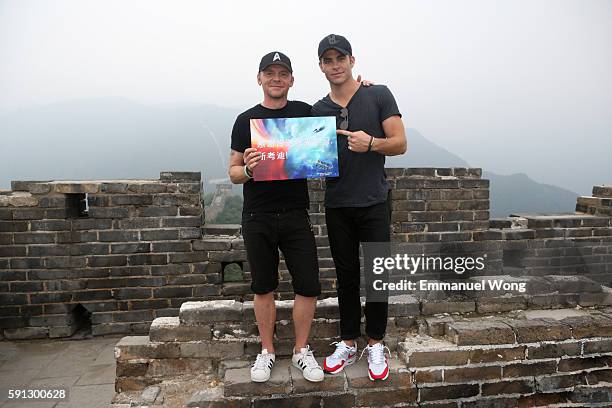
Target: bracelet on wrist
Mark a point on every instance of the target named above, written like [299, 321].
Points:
[248, 172]
[371, 143]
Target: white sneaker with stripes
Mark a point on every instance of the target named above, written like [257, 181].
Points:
[262, 367]
[305, 361]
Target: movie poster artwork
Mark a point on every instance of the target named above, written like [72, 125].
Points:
[295, 148]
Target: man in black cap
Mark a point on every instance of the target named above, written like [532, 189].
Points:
[356, 203]
[275, 216]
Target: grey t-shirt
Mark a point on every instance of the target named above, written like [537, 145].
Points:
[362, 181]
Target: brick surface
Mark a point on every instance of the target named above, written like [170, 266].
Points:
[357, 375]
[237, 382]
[448, 392]
[535, 330]
[479, 332]
[211, 311]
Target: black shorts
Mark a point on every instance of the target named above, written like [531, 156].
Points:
[291, 232]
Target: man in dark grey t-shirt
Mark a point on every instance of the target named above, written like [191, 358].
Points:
[356, 207]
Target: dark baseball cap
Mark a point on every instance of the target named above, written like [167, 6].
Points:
[336, 42]
[275, 58]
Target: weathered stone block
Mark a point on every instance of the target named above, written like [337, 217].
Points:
[438, 358]
[386, 397]
[479, 332]
[465, 374]
[449, 392]
[179, 366]
[210, 311]
[357, 375]
[508, 387]
[554, 382]
[140, 347]
[238, 382]
[535, 330]
[213, 349]
[329, 384]
[529, 369]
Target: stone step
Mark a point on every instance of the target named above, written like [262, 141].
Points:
[542, 326]
[286, 379]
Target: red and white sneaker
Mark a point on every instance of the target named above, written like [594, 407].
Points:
[378, 366]
[343, 356]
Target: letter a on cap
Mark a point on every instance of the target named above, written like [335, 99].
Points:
[276, 57]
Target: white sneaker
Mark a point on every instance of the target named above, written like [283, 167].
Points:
[344, 355]
[378, 366]
[262, 367]
[305, 361]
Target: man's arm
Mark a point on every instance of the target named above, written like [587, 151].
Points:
[393, 144]
[237, 163]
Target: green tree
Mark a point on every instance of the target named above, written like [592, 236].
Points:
[232, 212]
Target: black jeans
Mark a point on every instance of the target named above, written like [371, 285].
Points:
[346, 228]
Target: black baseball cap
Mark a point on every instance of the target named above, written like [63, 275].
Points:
[336, 42]
[275, 58]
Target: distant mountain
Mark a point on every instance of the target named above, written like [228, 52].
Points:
[519, 193]
[113, 138]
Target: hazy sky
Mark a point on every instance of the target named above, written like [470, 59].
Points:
[510, 86]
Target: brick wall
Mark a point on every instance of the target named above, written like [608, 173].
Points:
[140, 248]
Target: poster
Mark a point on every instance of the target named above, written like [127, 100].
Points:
[295, 148]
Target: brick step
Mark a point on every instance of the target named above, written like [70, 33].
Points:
[539, 326]
[351, 387]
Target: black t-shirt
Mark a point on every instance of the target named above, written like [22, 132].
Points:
[270, 196]
[362, 180]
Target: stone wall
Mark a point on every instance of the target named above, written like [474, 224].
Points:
[468, 354]
[121, 253]
[132, 254]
